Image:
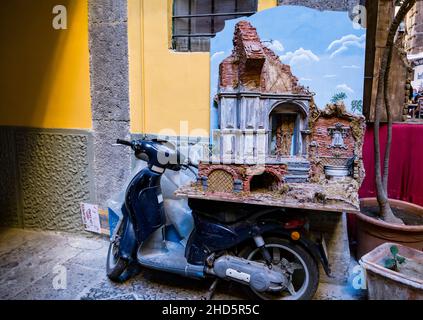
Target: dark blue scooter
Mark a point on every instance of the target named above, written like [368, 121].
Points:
[262, 247]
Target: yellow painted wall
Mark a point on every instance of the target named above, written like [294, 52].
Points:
[44, 72]
[266, 4]
[167, 87]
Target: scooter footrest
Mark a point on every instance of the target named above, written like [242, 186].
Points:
[169, 258]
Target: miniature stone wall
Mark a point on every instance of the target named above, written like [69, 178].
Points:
[331, 126]
[324, 139]
[253, 66]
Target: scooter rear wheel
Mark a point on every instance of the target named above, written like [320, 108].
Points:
[290, 258]
[115, 265]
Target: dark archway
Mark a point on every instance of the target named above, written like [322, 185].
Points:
[285, 122]
[264, 182]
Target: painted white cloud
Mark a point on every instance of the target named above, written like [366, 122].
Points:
[306, 79]
[344, 87]
[275, 45]
[299, 56]
[353, 66]
[217, 55]
[329, 76]
[345, 43]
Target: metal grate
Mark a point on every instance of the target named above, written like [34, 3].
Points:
[220, 181]
[196, 21]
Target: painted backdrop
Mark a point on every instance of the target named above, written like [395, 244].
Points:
[325, 50]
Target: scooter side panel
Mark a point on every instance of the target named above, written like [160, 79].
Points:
[207, 237]
[149, 212]
[144, 201]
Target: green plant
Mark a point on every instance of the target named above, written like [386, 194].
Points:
[393, 262]
[340, 96]
[357, 106]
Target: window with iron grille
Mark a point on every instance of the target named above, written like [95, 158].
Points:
[196, 21]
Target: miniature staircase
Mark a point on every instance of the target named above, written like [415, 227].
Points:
[298, 172]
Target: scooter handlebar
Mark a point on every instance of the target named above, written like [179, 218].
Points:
[152, 150]
[124, 142]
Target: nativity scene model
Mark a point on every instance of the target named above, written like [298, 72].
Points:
[273, 145]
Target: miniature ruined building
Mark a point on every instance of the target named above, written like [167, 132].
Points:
[272, 141]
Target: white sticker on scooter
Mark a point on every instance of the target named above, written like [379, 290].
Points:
[232, 273]
[157, 169]
[160, 198]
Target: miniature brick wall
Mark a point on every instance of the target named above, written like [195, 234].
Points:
[319, 153]
[250, 53]
[250, 63]
[228, 71]
[205, 169]
[244, 173]
[321, 136]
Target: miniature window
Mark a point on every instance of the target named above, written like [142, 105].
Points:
[196, 21]
[220, 181]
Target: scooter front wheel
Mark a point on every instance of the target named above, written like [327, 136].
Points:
[116, 265]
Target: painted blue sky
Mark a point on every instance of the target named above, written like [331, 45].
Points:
[325, 51]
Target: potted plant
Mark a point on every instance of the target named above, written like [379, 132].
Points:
[380, 218]
[394, 272]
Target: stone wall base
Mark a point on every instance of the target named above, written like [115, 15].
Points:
[45, 175]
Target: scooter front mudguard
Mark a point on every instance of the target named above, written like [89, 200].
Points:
[128, 242]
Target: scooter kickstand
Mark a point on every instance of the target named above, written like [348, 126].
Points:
[212, 290]
[164, 246]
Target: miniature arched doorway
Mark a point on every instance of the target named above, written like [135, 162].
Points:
[285, 122]
[264, 182]
[220, 181]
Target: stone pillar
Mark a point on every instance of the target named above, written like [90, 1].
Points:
[108, 44]
[418, 44]
[416, 29]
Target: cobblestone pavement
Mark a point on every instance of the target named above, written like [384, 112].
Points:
[38, 265]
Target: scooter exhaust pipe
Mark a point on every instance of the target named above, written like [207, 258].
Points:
[257, 275]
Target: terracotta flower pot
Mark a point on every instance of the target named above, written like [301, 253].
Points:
[372, 232]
